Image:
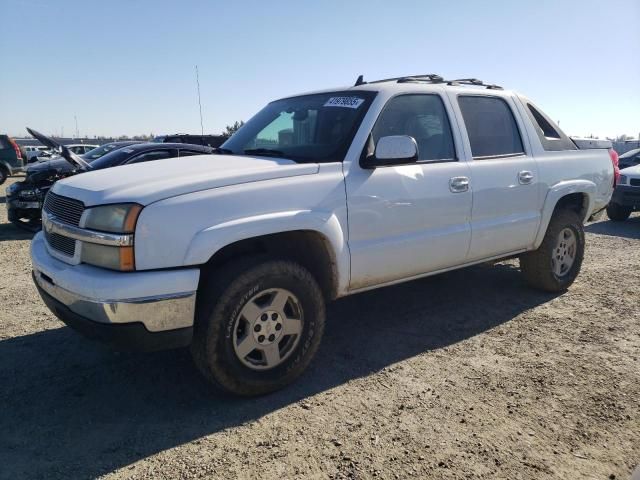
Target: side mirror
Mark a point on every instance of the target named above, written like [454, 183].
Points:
[392, 150]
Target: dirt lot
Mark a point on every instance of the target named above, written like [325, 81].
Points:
[464, 375]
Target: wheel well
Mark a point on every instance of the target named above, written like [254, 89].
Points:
[310, 249]
[578, 202]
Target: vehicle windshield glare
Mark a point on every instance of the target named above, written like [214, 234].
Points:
[96, 153]
[310, 128]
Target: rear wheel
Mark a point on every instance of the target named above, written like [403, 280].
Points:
[3, 175]
[554, 266]
[617, 212]
[259, 325]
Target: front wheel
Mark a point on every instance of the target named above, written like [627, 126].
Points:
[259, 325]
[554, 266]
[617, 212]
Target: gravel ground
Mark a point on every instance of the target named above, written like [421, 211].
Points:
[469, 374]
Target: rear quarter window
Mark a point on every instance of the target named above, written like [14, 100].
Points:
[551, 137]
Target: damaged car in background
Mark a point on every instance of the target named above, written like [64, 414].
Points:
[25, 199]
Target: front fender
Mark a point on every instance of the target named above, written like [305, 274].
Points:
[207, 242]
[555, 193]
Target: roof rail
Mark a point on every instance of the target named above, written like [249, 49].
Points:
[431, 78]
[427, 77]
[474, 81]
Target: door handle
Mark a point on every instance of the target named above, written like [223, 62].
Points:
[458, 184]
[525, 177]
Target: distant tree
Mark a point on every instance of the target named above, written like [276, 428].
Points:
[231, 129]
[623, 137]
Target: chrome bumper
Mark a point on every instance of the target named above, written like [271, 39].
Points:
[157, 313]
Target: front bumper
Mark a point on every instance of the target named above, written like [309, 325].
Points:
[137, 310]
[626, 196]
[125, 336]
[18, 209]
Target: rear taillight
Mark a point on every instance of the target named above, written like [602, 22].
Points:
[616, 169]
[16, 148]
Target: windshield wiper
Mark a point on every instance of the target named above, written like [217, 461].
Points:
[267, 152]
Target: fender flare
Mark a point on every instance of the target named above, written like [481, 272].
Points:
[555, 193]
[211, 240]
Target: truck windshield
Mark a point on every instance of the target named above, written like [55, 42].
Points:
[310, 128]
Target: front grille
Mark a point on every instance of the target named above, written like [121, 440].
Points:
[65, 209]
[61, 243]
[635, 182]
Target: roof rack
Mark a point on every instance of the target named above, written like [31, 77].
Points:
[431, 78]
[427, 77]
[475, 82]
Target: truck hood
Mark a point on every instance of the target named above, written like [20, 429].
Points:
[148, 182]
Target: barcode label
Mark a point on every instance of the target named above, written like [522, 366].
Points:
[345, 102]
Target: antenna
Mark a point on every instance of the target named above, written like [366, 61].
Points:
[199, 102]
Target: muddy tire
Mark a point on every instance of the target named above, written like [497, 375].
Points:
[618, 213]
[258, 326]
[554, 266]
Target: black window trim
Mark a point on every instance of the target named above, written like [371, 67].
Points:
[524, 152]
[455, 158]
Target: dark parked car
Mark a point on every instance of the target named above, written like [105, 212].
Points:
[630, 158]
[25, 199]
[12, 157]
[208, 140]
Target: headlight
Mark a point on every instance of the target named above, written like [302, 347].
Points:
[119, 219]
[622, 180]
[29, 192]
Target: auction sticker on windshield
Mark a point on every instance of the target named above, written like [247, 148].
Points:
[346, 102]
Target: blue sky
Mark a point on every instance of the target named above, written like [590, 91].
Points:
[127, 67]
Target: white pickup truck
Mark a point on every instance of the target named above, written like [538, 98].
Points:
[318, 196]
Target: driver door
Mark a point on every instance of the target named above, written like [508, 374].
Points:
[408, 220]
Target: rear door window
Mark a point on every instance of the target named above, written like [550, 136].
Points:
[491, 126]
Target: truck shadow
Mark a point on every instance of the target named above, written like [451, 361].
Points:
[75, 409]
[628, 229]
[9, 232]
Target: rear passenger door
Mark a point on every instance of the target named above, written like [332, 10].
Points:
[504, 176]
